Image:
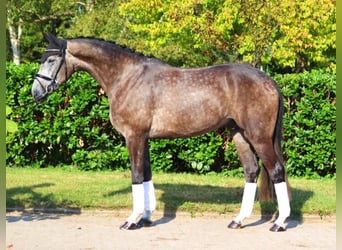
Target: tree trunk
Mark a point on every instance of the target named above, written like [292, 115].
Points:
[91, 5]
[15, 35]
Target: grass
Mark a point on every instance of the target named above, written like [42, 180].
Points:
[67, 188]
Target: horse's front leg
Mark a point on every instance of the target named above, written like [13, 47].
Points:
[142, 187]
[149, 192]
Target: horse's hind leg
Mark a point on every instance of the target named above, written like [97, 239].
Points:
[251, 170]
[276, 173]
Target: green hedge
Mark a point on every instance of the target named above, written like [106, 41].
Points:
[72, 127]
[309, 123]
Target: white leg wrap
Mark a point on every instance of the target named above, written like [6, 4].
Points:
[283, 203]
[149, 195]
[247, 201]
[138, 202]
[150, 199]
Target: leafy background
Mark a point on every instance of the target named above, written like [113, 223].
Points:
[293, 41]
[277, 35]
[72, 127]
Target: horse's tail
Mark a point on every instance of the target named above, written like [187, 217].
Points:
[266, 190]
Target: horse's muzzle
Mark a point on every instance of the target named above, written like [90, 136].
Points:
[38, 92]
[40, 98]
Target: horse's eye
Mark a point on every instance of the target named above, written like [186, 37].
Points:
[51, 60]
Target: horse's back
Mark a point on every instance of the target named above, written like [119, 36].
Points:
[188, 102]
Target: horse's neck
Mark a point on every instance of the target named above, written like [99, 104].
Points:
[100, 65]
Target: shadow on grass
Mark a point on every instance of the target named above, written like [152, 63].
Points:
[174, 196]
[34, 206]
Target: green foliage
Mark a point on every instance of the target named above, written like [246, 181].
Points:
[309, 123]
[72, 127]
[281, 35]
[11, 126]
[197, 154]
[28, 19]
[102, 20]
[278, 35]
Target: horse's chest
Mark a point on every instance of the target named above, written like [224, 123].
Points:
[130, 113]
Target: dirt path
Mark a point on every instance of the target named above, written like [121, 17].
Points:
[100, 230]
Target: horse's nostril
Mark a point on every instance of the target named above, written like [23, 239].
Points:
[40, 98]
[38, 95]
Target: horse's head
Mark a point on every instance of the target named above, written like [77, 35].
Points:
[53, 69]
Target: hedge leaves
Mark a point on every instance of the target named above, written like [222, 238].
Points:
[73, 127]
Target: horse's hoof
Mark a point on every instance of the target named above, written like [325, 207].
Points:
[277, 228]
[128, 226]
[144, 223]
[234, 225]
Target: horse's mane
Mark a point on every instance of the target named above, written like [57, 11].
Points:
[60, 44]
[117, 47]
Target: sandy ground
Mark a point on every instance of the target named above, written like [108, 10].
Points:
[100, 230]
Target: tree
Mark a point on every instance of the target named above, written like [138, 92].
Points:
[14, 23]
[307, 34]
[26, 19]
[286, 34]
[97, 19]
[278, 35]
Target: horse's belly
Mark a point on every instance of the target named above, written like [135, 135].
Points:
[188, 111]
[186, 124]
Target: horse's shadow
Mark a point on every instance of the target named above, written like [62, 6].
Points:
[42, 206]
[175, 196]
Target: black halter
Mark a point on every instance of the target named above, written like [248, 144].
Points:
[53, 85]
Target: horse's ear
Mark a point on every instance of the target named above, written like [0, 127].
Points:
[49, 37]
[46, 37]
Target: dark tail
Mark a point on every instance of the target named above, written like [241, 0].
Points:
[266, 190]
